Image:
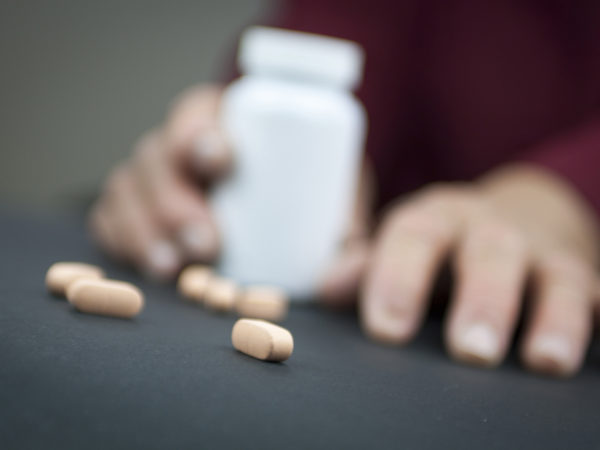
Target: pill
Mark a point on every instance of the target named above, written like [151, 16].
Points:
[221, 294]
[193, 282]
[105, 297]
[263, 302]
[61, 274]
[262, 340]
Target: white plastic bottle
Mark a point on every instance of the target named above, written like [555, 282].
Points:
[297, 133]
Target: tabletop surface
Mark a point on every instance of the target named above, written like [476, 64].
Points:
[171, 379]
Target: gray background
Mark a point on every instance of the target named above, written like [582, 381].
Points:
[81, 79]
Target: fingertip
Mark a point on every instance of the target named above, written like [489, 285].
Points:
[551, 355]
[390, 312]
[386, 324]
[561, 320]
[194, 109]
[199, 240]
[391, 336]
[211, 155]
[476, 344]
[162, 261]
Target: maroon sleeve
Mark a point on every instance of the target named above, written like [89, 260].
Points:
[575, 156]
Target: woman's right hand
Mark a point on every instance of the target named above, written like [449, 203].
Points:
[153, 211]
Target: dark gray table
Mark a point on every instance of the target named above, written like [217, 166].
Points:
[171, 380]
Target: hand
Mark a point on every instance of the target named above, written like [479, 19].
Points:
[517, 227]
[153, 212]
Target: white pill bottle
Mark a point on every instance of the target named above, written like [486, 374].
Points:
[297, 135]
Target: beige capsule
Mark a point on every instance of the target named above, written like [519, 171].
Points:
[263, 302]
[61, 274]
[193, 282]
[262, 340]
[221, 294]
[106, 297]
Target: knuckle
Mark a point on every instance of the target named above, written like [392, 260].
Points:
[564, 266]
[166, 210]
[193, 110]
[476, 205]
[421, 223]
[494, 240]
[492, 246]
[442, 192]
[194, 99]
[459, 200]
[499, 233]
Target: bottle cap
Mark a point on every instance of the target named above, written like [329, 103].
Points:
[306, 56]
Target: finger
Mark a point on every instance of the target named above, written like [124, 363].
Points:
[193, 137]
[341, 281]
[560, 323]
[139, 239]
[491, 268]
[175, 203]
[211, 154]
[412, 245]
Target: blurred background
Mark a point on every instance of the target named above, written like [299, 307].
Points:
[80, 80]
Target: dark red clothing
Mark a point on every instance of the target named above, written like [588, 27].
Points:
[456, 88]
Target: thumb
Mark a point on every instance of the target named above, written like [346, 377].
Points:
[341, 282]
[194, 138]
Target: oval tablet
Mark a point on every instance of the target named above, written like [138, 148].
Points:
[106, 297]
[263, 302]
[193, 282]
[61, 274]
[221, 294]
[262, 340]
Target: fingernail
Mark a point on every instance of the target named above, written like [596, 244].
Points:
[208, 149]
[163, 259]
[198, 239]
[479, 344]
[386, 322]
[552, 353]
